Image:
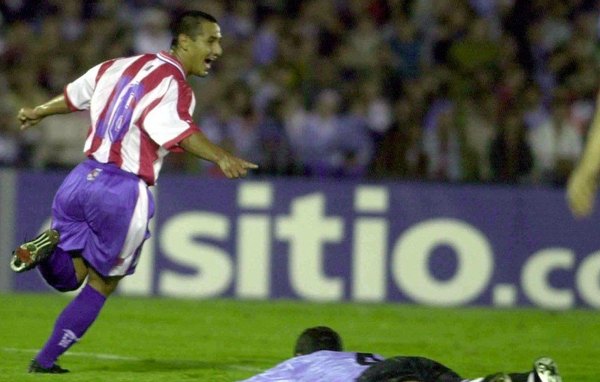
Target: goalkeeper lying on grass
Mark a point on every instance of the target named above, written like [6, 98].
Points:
[319, 356]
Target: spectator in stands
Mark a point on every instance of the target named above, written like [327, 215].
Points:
[556, 144]
[511, 158]
[300, 49]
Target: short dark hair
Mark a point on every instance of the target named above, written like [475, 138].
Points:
[188, 23]
[318, 338]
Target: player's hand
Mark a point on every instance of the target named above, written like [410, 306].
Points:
[28, 117]
[234, 167]
[581, 192]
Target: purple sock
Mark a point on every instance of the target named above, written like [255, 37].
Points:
[59, 272]
[71, 325]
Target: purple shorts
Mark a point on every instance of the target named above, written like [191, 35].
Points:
[103, 212]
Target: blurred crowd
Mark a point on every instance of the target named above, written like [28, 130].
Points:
[441, 90]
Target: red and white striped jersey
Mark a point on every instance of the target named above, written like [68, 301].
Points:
[140, 109]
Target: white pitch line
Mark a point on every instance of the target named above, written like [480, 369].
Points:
[78, 354]
[118, 357]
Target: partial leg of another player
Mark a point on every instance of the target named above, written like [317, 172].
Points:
[544, 370]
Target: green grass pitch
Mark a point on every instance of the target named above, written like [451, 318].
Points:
[153, 339]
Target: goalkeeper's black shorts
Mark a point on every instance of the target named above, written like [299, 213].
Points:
[401, 369]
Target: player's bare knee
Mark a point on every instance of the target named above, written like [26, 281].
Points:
[81, 269]
[106, 285]
[111, 286]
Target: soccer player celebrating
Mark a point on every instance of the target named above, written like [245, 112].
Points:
[140, 109]
[319, 357]
[583, 182]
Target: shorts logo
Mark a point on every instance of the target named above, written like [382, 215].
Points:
[94, 174]
[68, 338]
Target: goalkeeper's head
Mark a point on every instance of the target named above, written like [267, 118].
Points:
[317, 338]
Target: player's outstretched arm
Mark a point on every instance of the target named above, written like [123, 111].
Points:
[200, 146]
[583, 182]
[31, 116]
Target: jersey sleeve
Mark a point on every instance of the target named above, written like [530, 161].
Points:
[79, 92]
[168, 120]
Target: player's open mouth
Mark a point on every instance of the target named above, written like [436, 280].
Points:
[208, 63]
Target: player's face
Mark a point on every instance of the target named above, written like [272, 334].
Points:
[205, 49]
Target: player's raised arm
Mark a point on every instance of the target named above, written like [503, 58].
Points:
[31, 116]
[200, 146]
[583, 182]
